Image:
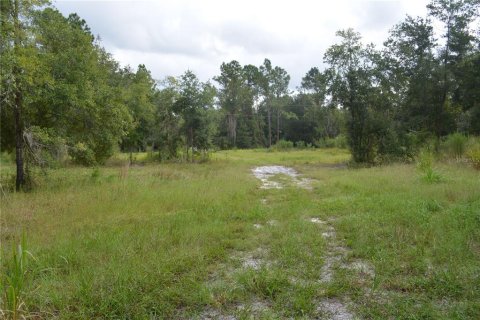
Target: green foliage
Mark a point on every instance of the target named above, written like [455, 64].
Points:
[300, 145]
[150, 232]
[195, 104]
[13, 277]
[338, 142]
[95, 174]
[474, 157]
[377, 102]
[139, 96]
[6, 158]
[283, 145]
[351, 75]
[82, 154]
[425, 166]
[45, 147]
[456, 144]
[265, 283]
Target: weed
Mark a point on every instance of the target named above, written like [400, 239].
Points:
[265, 283]
[456, 144]
[95, 174]
[431, 176]
[283, 145]
[425, 165]
[474, 157]
[12, 282]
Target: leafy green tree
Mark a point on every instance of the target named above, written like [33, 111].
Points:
[273, 84]
[20, 72]
[84, 101]
[456, 16]
[280, 80]
[264, 81]
[168, 124]
[467, 93]
[194, 104]
[140, 90]
[325, 119]
[237, 96]
[351, 84]
[315, 82]
[251, 132]
[230, 96]
[412, 66]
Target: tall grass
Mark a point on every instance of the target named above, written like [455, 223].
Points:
[12, 282]
[167, 241]
[456, 145]
[425, 165]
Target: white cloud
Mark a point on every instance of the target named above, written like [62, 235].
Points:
[170, 37]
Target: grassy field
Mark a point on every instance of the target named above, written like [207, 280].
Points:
[204, 241]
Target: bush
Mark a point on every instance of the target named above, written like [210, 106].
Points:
[474, 157]
[82, 154]
[13, 278]
[300, 145]
[44, 147]
[339, 141]
[455, 145]
[425, 165]
[7, 158]
[283, 145]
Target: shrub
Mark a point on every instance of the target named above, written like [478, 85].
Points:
[329, 143]
[340, 141]
[95, 174]
[82, 154]
[456, 145]
[300, 144]
[44, 147]
[12, 283]
[7, 158]
[425, 165]
[283, 145]
[474, 157]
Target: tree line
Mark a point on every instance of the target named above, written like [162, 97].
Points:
[63, 94]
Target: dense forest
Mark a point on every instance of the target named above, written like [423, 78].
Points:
[63, 96]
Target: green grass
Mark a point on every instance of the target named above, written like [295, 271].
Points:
[170, 240]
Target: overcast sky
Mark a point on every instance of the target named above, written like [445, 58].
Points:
[170, 37]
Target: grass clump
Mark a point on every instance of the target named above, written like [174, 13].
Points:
[13, 278]
[474, 157]
[456, 145]
[425, 165]
[283, 145]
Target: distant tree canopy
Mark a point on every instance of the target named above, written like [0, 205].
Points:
[59, 85]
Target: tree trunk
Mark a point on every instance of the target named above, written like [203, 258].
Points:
[232, 128]
[441, 107]
[278, 125]
[269, 127]
[20, 179]
[191, 140]
[188, 142]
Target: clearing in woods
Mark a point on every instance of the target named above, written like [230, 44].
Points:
[250, 235]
